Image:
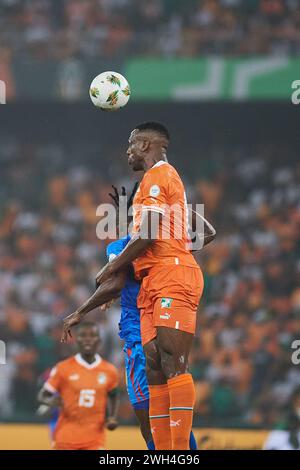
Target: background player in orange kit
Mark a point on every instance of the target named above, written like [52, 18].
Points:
[172, 285]
[85, 385]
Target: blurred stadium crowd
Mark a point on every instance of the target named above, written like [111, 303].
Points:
[119, 28]
[250, 313]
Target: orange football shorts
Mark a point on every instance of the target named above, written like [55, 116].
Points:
[95, 446]
[169, 296]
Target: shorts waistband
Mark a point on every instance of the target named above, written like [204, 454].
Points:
[168, 262]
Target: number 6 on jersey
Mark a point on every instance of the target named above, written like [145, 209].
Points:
[87, 398]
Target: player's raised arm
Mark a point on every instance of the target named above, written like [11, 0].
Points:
[107, 291]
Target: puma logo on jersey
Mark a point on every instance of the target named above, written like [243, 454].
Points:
[166, 316]
[175, 424]
[74, 377]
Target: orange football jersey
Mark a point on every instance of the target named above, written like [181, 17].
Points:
[161, 190]
[83, 388]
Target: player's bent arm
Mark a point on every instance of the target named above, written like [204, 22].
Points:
[136, 246]
[107, 291]
[49, 399]
[208, 232]
[113, 404]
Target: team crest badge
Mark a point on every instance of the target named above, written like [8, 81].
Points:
[166, 302]
[154, 190]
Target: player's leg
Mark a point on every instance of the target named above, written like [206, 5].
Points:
[144, 422]
[137, 387]
[140, 401]
[158, 389]
[164, 386]
[177, 294]
[159, 402]
[193, 442]
[174, 347]
[142, 416]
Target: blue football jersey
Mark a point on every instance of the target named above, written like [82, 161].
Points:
[129, 325]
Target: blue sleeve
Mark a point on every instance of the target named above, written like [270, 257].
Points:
[115, 248]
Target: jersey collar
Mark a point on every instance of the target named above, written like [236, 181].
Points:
[85, 364]
[161, 162]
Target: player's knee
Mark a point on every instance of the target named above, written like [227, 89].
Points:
[172, 364]
[151, 372]
[153, 363]
[167, 364]
[152, 356]
[154, 372]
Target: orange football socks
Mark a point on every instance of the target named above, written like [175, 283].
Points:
[159, 416]
[182, 400]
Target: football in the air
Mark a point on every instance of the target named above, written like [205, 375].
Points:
[110, 91]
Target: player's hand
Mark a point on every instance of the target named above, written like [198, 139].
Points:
[107, 305]
[105, 273]
[44, 410]
[112, 424]
[69, 322]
